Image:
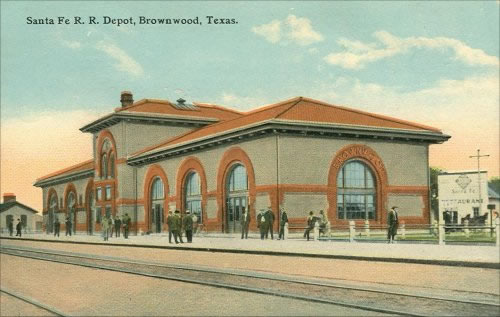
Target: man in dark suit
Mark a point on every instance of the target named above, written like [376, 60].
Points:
[283, 221]
[170, 224]
[118, 225]
[57, 227]
[262, 224]
[19, 226]
[392, 223]
[126, 225]
[188, 226]
[68, 226]
[245, 222]
[270, 220]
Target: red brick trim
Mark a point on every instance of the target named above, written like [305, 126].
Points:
[232, 156]
[188, 165]
[88, 190]
[371, 159]
[103, 135]
[154, 171]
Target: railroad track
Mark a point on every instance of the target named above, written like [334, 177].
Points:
[381, 301]
[33, 302]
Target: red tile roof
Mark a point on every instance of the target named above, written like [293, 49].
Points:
[203, 110]
[87, 165]
[297, 109]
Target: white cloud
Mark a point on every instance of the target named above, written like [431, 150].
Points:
[125, 62]
[467, 109]
[357, 54]
[292, 29]
[241, 103]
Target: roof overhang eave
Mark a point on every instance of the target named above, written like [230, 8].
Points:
[64, 178]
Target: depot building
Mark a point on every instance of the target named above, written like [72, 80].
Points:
[300, 155]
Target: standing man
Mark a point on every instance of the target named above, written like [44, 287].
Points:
[11, 227]
[68, 226]
[283, 221]
[118, 224]
[188, 226]
[245, 222]
[57, 227]
[19, 226]
[262, 224]
[105, 228]
[170, 224]
[126, 224]
[270, 221]
[177, 226]
[392, 222]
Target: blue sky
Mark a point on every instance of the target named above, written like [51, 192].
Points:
[431, 62]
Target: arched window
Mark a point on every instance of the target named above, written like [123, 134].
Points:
[157, 201]
[236, 196]
[112, 165]
[356, 191]
[104, 166]
[192, 195]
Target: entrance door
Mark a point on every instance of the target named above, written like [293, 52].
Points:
[234, 209]
[157, 219]
[50, 222]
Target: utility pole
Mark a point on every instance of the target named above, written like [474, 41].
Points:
[478, 156]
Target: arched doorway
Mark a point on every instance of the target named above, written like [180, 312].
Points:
[236, 197]
[192, 195]
[52, 213]
[70, 203]
[157, 202]
[356, 192]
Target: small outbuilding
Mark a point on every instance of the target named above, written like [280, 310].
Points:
[11, 210]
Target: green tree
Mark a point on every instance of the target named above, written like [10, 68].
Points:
[495, 183]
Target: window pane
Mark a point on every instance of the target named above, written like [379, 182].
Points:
[108, 192]
[157, 191]
[238, 179]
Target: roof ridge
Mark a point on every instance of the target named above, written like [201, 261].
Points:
[244, 115]
[374, 115]
[67, 169]
[272, 105]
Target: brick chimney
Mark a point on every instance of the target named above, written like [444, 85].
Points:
[9, 197]
[126, 98]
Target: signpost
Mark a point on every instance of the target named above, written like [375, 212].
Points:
[491, 207]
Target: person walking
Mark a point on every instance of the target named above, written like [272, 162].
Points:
[392, 223]
[57, 227]
[118, 225]
[310, 224]
[19, 227]
[283, 222]
[170, 224]
[111, 226]
[270, 220]
[187, 223]
[105, 228]
[126, 225]
[262, 224]
[10, 225]
[245, 223]
[68, 226]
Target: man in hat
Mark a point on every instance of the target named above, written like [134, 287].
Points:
[270, 220]
[188, 226]
[177, 226]
[118, 225]
[283, 221]
[57, 227]
[68, 226]
[311, 220]
[245, 222]
[392, 223]
[126, 225]
[19, 226]
[170, 224]
[262, 224]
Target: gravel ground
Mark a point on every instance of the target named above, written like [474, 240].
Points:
[91, 292]
[439, 278]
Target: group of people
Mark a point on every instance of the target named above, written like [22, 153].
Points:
[322, 219]
[176, 224]
[110, 226]
[19, 227]
[265, 223]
